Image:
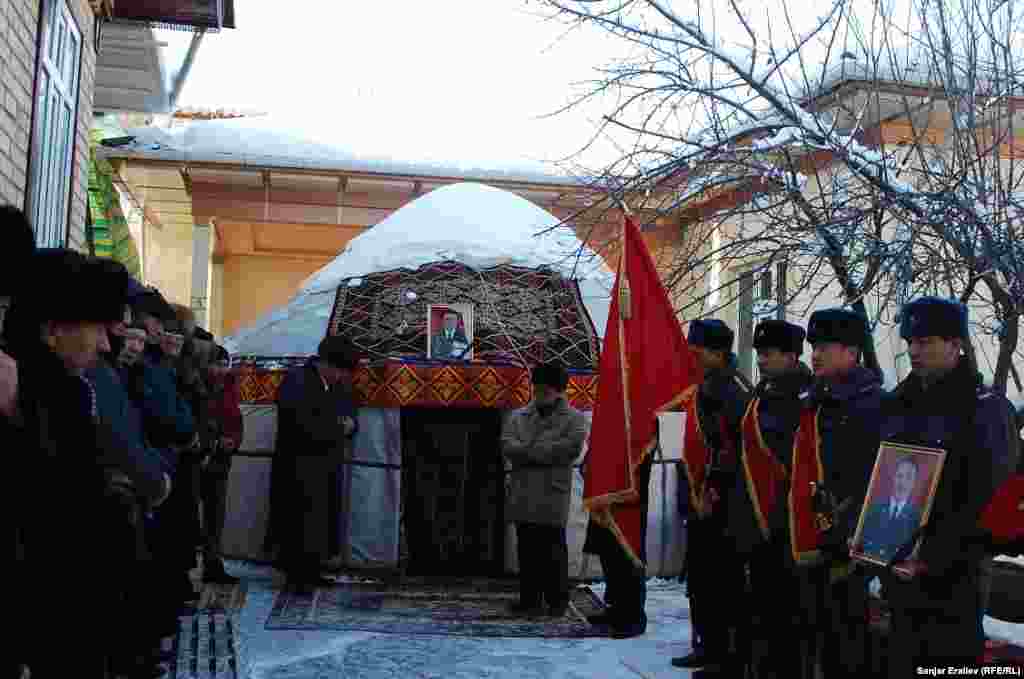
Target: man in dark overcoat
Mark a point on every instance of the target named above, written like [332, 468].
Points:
[838, 434]
[316, 421]
[542, 441]
[759, 520]
[58, 329]
[942, 404]
[172, 529]
[715, 571]
[20, 246]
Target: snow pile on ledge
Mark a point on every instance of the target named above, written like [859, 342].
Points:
[277, 141]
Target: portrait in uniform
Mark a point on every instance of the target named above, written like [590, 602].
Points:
[450, 331]
[899, 499]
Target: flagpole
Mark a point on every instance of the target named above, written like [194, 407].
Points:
[625, 310]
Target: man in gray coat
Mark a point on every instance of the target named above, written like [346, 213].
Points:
[542, 441]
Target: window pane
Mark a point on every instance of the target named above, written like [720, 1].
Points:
[42, 166]
[52, 164]
[52, 176]
[71, 61]
[51, 26]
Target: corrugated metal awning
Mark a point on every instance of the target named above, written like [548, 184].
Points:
[181, 14]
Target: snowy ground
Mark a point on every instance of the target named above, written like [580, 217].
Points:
[363, 655]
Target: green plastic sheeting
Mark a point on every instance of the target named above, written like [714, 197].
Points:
[110, 234]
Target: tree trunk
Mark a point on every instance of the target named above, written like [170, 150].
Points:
[870, 353]
[1007, 347]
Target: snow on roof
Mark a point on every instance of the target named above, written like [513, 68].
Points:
[272, 141]
[476, 225]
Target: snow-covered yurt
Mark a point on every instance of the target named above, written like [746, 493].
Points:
[425, 488]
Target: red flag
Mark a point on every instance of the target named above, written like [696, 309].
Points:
[646, 365]
[1003, 518]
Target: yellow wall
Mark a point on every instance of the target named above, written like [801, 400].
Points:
[253, 286]
[168, 254]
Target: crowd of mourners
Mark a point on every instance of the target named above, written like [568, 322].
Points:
[119, 419]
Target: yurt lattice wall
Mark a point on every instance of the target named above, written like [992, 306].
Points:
[521, 315]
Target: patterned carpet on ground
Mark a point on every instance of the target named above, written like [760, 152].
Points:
[457, 608]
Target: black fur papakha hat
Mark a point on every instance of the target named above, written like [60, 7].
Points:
[781, 335]
[838, 325]
[73, 288]
[20, 245]
[551, 375]
[933, 317]
[710, 333]
[339, 352]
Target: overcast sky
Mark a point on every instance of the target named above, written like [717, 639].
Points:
[458, 79]
[454, 78]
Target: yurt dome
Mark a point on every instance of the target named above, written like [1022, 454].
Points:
[425, 485]
[467, 225]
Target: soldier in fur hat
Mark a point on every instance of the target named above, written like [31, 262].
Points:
[710, 454]
[838, 432]
[759, 520]
[937, 608]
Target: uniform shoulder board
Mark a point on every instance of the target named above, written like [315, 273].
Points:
[804, 395]
[984, 393]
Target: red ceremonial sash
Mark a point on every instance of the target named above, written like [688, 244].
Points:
[695, 450]
[805, 538]
[763, 472]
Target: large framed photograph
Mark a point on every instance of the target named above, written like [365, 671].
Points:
[898, 502]
[450, 332]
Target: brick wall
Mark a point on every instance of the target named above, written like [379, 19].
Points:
[19, 23]
[87, 79]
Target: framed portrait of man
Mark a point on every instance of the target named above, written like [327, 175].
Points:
[898, 502]
[450, 332]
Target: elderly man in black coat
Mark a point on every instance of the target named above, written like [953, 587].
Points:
[936, 609]
[316, 420]
[57, 329]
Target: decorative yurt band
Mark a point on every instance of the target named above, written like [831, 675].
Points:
[397, 384]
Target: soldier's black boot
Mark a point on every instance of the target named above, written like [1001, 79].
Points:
[698, 658]
[214, 573]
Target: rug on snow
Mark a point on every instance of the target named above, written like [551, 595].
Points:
[454, 608]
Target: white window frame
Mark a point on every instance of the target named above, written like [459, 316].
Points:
[54, 123]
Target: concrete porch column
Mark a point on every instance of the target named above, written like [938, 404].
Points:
[201, 249]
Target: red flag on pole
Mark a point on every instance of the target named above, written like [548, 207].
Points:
[646, 365]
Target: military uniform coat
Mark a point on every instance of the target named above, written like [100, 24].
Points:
[937, 613]
[778, 410]
[542, 449]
